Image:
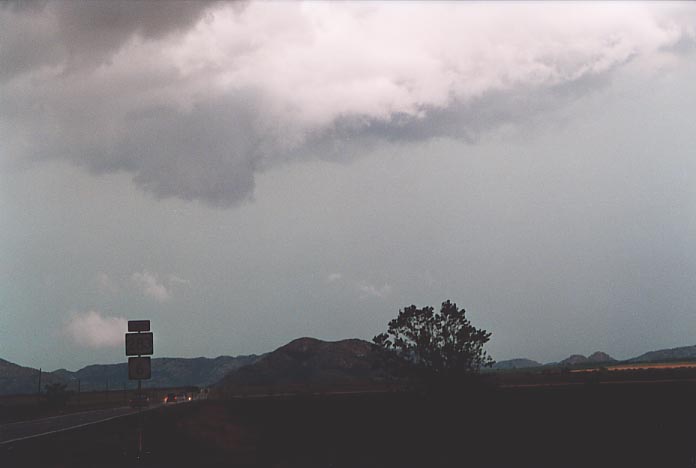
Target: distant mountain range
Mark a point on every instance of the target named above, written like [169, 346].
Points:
[666, 355]
[304, 361]
[597, 357]
[166, 372]
[683, 353]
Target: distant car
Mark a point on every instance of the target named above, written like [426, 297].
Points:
[170, 398]
[139, 401]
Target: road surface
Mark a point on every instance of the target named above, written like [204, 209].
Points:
[27, 429]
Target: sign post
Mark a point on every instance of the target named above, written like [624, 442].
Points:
[139, 343]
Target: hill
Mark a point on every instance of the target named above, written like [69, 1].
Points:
[309, 362]
[600, 357]
[519, 363]
[597, 357]
[684, 353]
[16, 379]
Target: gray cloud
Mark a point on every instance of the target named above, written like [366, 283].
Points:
[193, 100]
[463, 121]
[80, 34]
[209, 153]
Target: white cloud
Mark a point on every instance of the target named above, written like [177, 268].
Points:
[93, 330]
[151, 286]
[365, 289]
[173, 279]
[106, 284]
[368, 290]
[333, 277]
[379, 61]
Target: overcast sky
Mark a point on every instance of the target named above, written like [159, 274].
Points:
[246, 174]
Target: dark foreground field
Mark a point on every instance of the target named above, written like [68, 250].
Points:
[592, 425]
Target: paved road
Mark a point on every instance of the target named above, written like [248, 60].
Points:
[27, 429]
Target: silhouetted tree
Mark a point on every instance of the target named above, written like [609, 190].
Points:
[433, 345]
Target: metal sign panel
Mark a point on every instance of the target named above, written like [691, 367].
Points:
[138, 325]
[139, 368]
[139, 343]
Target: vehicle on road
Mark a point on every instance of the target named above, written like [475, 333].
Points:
[170, 398]
[139, 401]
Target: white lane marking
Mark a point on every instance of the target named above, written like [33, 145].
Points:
[81, 413]
[71, 427]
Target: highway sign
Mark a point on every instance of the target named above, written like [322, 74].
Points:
[138, 325]
[138, 368]
[139, 343]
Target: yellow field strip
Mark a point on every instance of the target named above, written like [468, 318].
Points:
[647, 365]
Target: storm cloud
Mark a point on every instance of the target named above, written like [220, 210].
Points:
[241, 88]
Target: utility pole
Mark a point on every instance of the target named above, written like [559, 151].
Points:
[38, 393]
